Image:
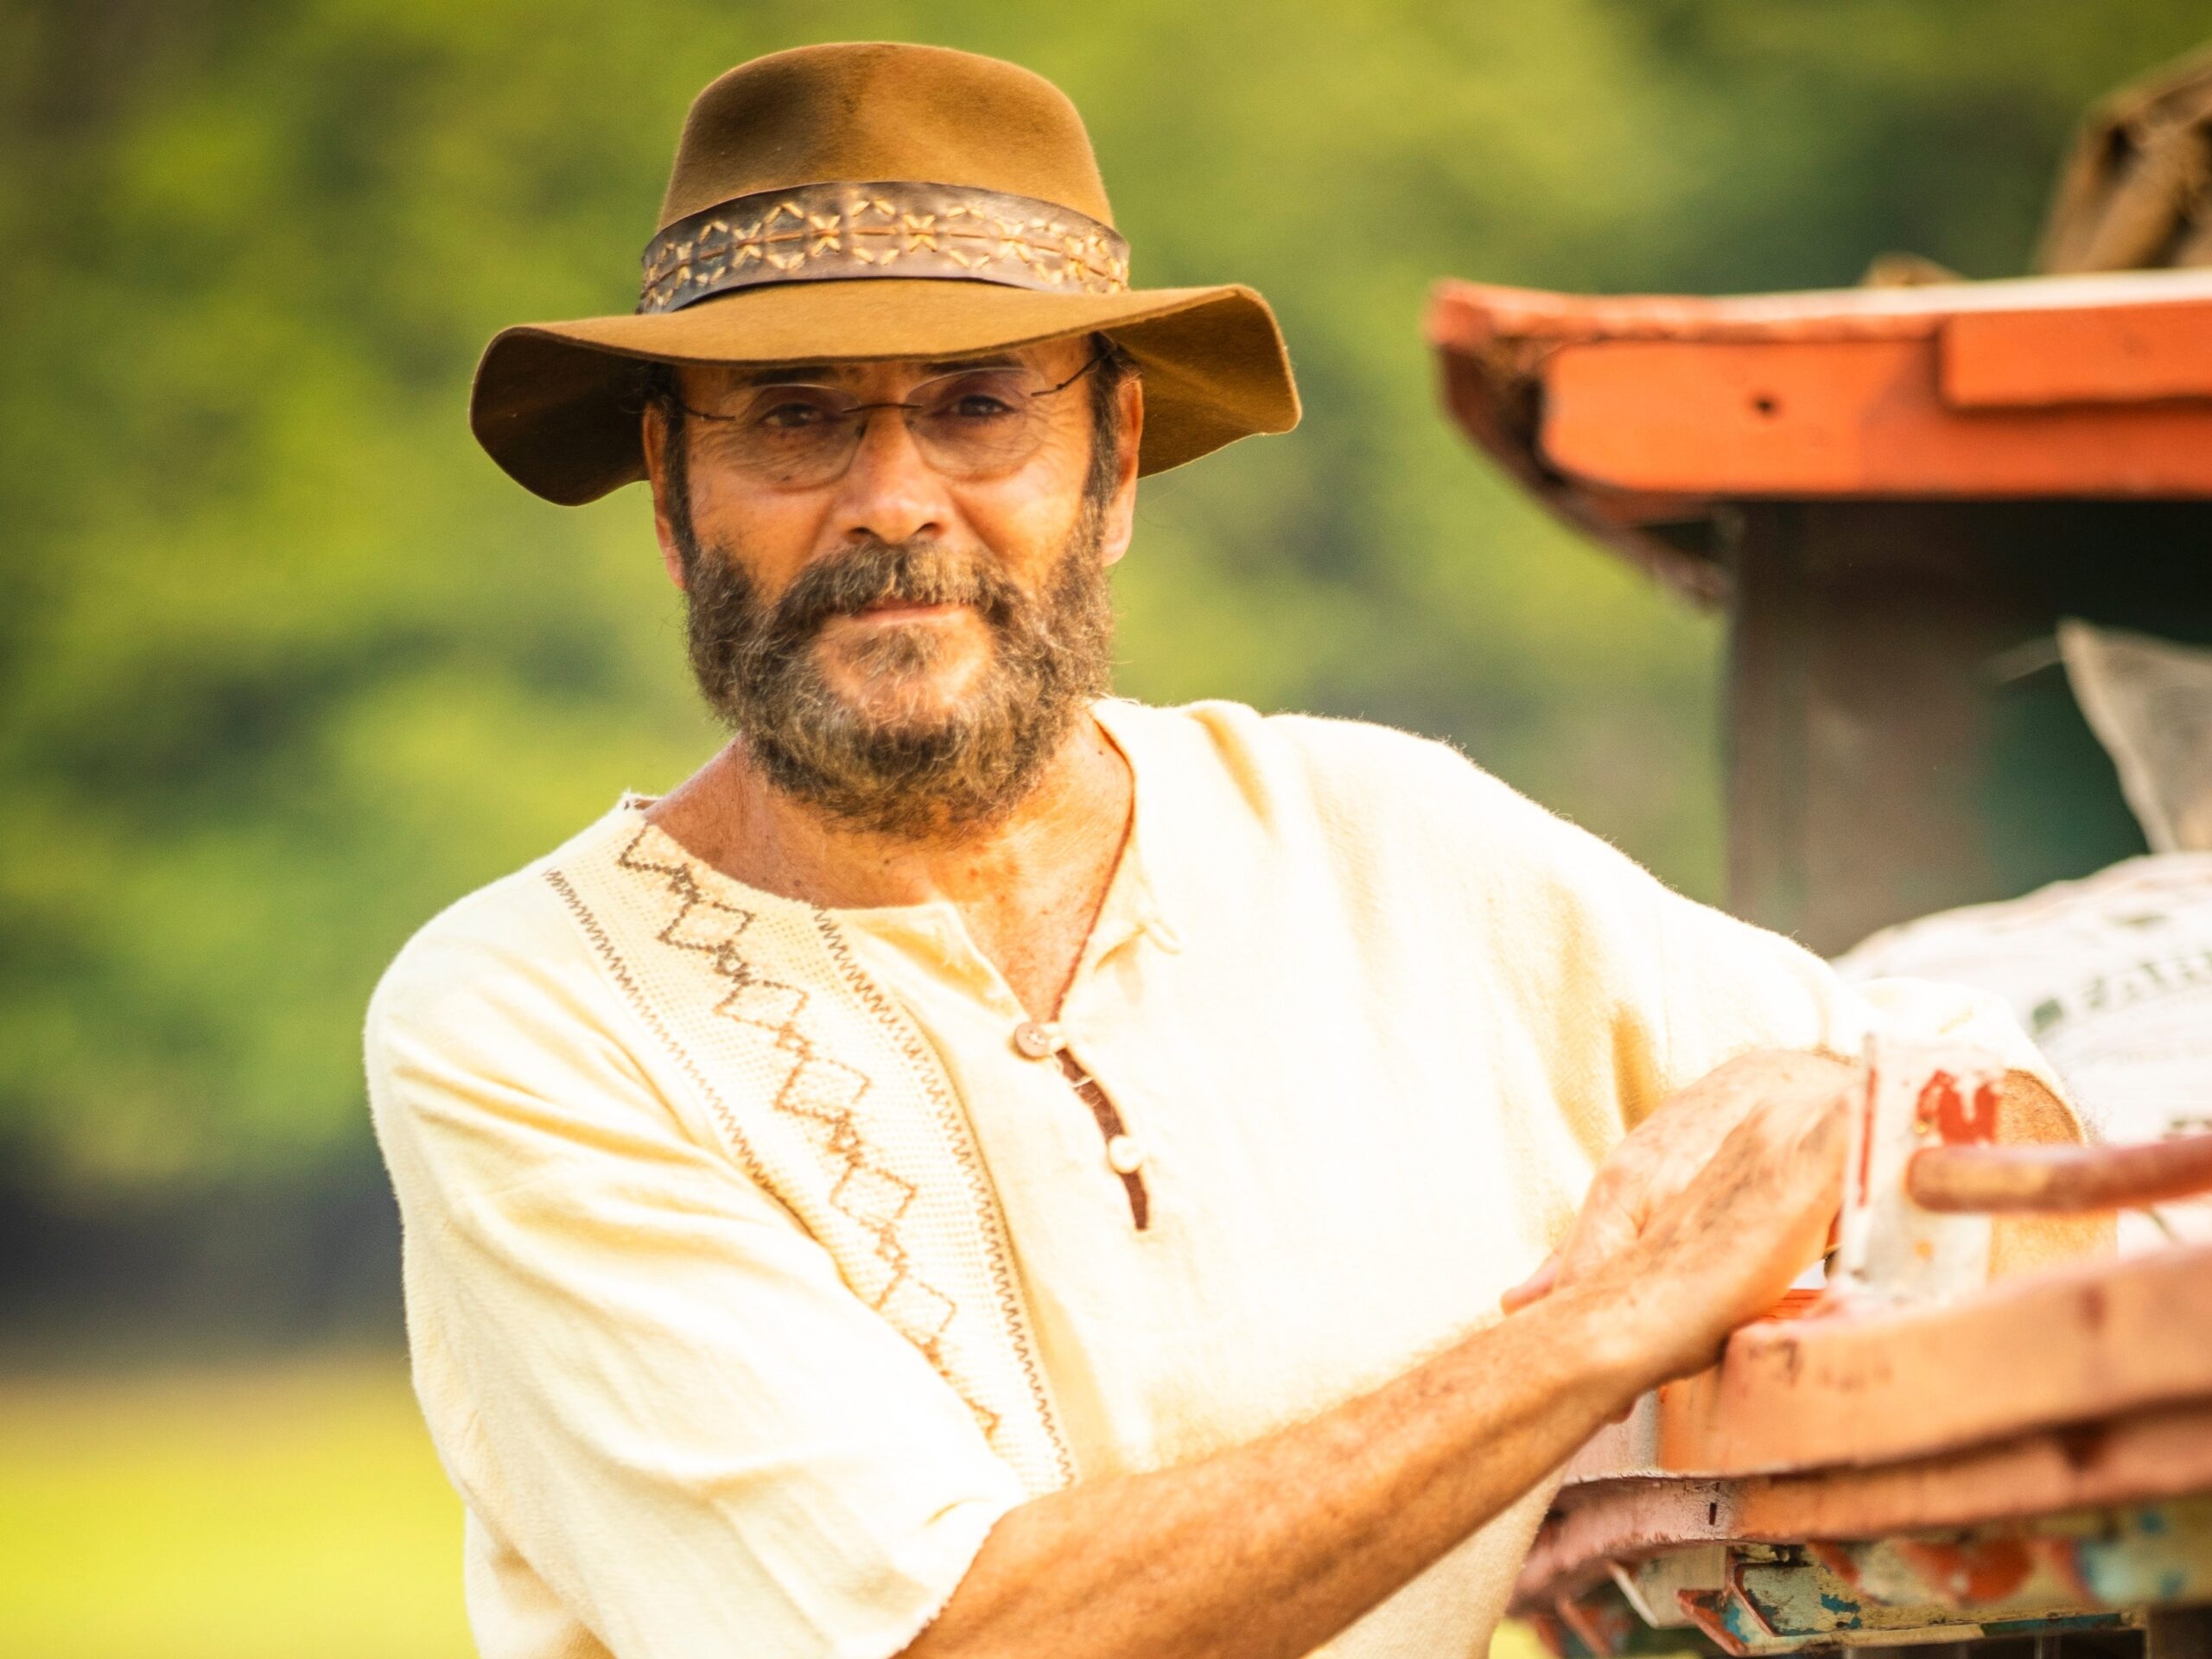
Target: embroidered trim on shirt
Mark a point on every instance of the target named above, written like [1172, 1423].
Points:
[636, 995]
[822, 1092]
[870, 1152]
[999, 1246]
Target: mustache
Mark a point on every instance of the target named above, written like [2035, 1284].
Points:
[903, 772]
[875, 572]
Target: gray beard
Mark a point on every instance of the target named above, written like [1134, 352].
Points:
[911, 777]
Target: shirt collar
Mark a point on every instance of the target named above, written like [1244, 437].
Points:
[1132, 909]
[1137, 899]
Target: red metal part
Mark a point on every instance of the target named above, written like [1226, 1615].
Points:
[1598, 1616]
[2089, 1388]
[1838, 1561]
[2067, 1390]
[1546, 1628]
[1706, 1611]
[2142, 353]
[2148, 1455]
[1728, 1616]
[1627, 413]
[1975, 1571]
[2085, 1342]
[1842, 418]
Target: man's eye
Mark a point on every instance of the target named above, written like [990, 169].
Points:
[979, 406]
[789, 415]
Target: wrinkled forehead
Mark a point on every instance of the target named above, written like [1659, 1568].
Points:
[1055, 359]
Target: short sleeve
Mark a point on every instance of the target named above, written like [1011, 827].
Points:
[1629, 990]
[644, 1377]
[1727, 987]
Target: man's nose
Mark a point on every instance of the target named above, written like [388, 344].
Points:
[890, 492]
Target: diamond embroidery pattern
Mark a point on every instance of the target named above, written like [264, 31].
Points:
[823, 1094]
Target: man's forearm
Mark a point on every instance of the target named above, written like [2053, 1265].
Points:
[1271, 1547]
[1267, 1551]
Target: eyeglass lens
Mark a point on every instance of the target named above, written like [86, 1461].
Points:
[972, 424]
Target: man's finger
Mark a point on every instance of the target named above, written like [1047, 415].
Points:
[1596, 1240]
[1537, 1286]
[1597, 1237]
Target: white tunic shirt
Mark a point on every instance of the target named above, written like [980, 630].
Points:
[1368, 1020]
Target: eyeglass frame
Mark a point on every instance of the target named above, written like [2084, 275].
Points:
[907, 407]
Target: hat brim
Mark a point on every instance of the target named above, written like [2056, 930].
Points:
[556, 404]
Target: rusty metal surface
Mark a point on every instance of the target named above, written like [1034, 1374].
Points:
[2071, 1346]
[1834, 419]
[2141, 1458]
[2033, 1458]
[2108, 1568]
[2062, 1180]
[1633, 417]
[2124, 354]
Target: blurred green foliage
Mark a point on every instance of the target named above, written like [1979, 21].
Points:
[288, 665]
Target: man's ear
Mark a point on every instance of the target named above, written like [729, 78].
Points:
[655, 435]
[1120, 520]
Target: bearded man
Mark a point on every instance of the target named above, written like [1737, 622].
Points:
[987, 1168]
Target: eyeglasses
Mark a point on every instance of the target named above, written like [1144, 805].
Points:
[973, 423]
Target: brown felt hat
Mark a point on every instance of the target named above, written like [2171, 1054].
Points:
[866, 201]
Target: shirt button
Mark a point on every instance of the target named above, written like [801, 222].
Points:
[1124, 1155]
[1033, 1040]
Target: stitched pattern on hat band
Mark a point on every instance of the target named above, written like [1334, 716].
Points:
[832, 231]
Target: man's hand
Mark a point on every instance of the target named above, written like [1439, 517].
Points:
[1719, 1252]
[1665, 1154]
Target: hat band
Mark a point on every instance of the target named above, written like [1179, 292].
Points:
[821, 232]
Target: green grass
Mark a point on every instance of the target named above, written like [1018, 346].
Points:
[287, 1510]
[291, 1510]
